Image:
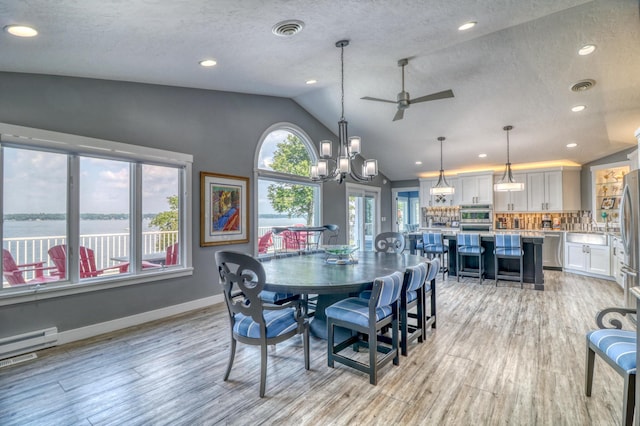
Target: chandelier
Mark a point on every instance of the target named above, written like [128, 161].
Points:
[507, 183]
[442, 187]
[329, 168]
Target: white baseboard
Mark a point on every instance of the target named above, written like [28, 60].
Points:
[120, 323]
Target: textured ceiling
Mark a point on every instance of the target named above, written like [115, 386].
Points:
[515, 67]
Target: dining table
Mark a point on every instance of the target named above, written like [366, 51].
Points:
[317, 274]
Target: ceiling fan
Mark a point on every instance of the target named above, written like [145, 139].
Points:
[404, 101]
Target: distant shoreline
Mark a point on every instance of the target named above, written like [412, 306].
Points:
[25, 217]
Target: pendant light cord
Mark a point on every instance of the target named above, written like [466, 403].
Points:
[342, 79]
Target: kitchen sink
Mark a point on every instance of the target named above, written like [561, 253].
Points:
[593, 238]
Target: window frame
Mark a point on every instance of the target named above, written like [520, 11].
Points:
[75, 147]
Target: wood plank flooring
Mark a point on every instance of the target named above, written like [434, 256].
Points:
[500, 356]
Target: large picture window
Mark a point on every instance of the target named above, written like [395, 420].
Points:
[85, 211]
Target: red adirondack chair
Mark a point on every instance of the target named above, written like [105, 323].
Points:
[265, 242]
[13, 273]
[88, 267]
[172, 255]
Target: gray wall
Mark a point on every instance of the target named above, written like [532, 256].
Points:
[585, 175]
[220, 129]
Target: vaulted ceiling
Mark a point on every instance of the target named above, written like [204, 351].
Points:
[516, 66]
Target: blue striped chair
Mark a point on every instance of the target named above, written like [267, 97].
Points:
[367, 317]
[468, 245]
[508, 246]
[433, 245]
[252, 321]
[618, 348]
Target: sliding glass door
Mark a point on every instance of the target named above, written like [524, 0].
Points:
[363, 220]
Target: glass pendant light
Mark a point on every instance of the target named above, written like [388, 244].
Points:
[442, 187]
[507, 183]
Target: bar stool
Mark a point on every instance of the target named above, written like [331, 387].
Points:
[508, 246]
[469, 246]
[432, 246]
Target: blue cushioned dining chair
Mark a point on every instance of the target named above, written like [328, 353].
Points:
[469, 246]
[389, 242]
[508, 246]
[433, 245]
[618, 348]
[367, 317]
[253, 321]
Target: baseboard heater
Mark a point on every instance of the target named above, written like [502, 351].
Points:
[27, 342]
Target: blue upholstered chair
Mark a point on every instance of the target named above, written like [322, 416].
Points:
[433, 245]
[508, 246]
[252, 321]
[618, 348]
[469, 246]
[367, 317]
[389, 242]
[414, 289]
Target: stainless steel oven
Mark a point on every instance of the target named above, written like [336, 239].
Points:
[476, 217]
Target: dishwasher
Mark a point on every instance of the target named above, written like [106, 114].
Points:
[552, 250]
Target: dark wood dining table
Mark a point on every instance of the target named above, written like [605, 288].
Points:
[311, 274]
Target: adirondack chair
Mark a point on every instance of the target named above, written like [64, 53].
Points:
[13, 273]
[265, 242]
[172, 255]
[88, 267]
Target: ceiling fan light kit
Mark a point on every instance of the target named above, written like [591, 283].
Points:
[442, 187]
[508, 183]
[403, 100]
[348, 148]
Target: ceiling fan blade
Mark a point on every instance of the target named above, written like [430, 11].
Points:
[399, 115]
[368, 98]
[434, 96]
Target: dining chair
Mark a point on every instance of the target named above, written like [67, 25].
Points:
[277, 298]
[617, 348]
[469, 245]
[253, 321]
[88, 269]
[366, 318]
[13, 273]
[508, 247]
[433, 245]
[389, 242]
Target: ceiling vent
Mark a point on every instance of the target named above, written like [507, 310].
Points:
[583, 85]
[287, 28]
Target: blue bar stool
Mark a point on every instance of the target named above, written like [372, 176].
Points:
[469, 246]
[432, 246]
[508, 246]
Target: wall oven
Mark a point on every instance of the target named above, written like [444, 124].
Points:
[476, 217]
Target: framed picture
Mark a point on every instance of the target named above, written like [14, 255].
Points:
[608, 203]
[224, 209]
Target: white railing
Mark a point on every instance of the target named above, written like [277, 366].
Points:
[106, 246]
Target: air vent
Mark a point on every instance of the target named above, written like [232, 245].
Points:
[287, 28]
[583, 85]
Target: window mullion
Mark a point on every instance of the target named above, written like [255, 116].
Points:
[73, 219]
[135, 215]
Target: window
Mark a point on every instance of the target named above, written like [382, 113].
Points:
[85, 211]
[286, 195]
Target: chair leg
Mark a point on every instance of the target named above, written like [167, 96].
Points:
[373, 352]
[495, 262]
[404, 330]
[433, 303]
[394, 340]
[305, 338]
[521, 271]
[629, 399]
[480, 268]
[232, 354]
[458, 267]
[330, 328]
[263, 369]
[588, 376]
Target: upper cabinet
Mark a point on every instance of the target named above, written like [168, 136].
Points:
[475, 188]
[607, 186]
[511, 201]
[555, 190]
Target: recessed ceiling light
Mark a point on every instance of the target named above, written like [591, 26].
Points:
[578, 108]
[482, 155]
[418, 163]
[467, 25]
[587, 49]
[311, 81]
[21, 31]
[208, 63]
[572, 145]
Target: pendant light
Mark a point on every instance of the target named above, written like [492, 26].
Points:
[507, 183]
[442, 187]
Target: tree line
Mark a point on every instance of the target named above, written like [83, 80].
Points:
[62, 216]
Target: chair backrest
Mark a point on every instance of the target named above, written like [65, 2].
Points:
[465, 239]
[10, 270]
[247, 274]
[389, 242]
[265, 242]
[172, 255]
[432, 239]
[58, 255]
[434, 268]
[508, 241]
[334, 232]
[386, 290]
[290, 240]
[415, 276]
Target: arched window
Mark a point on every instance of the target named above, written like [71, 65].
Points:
[286, 195]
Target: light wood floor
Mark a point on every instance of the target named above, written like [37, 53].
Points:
[499, 356]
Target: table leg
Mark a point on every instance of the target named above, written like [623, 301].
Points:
[318, 325]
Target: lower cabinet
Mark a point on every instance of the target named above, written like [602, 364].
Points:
[592, 259]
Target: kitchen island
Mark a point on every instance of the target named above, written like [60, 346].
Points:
[531, 245]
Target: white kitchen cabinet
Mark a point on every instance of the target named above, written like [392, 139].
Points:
[510, 201]
[588, 258]
[555, 190]
[476, 188]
